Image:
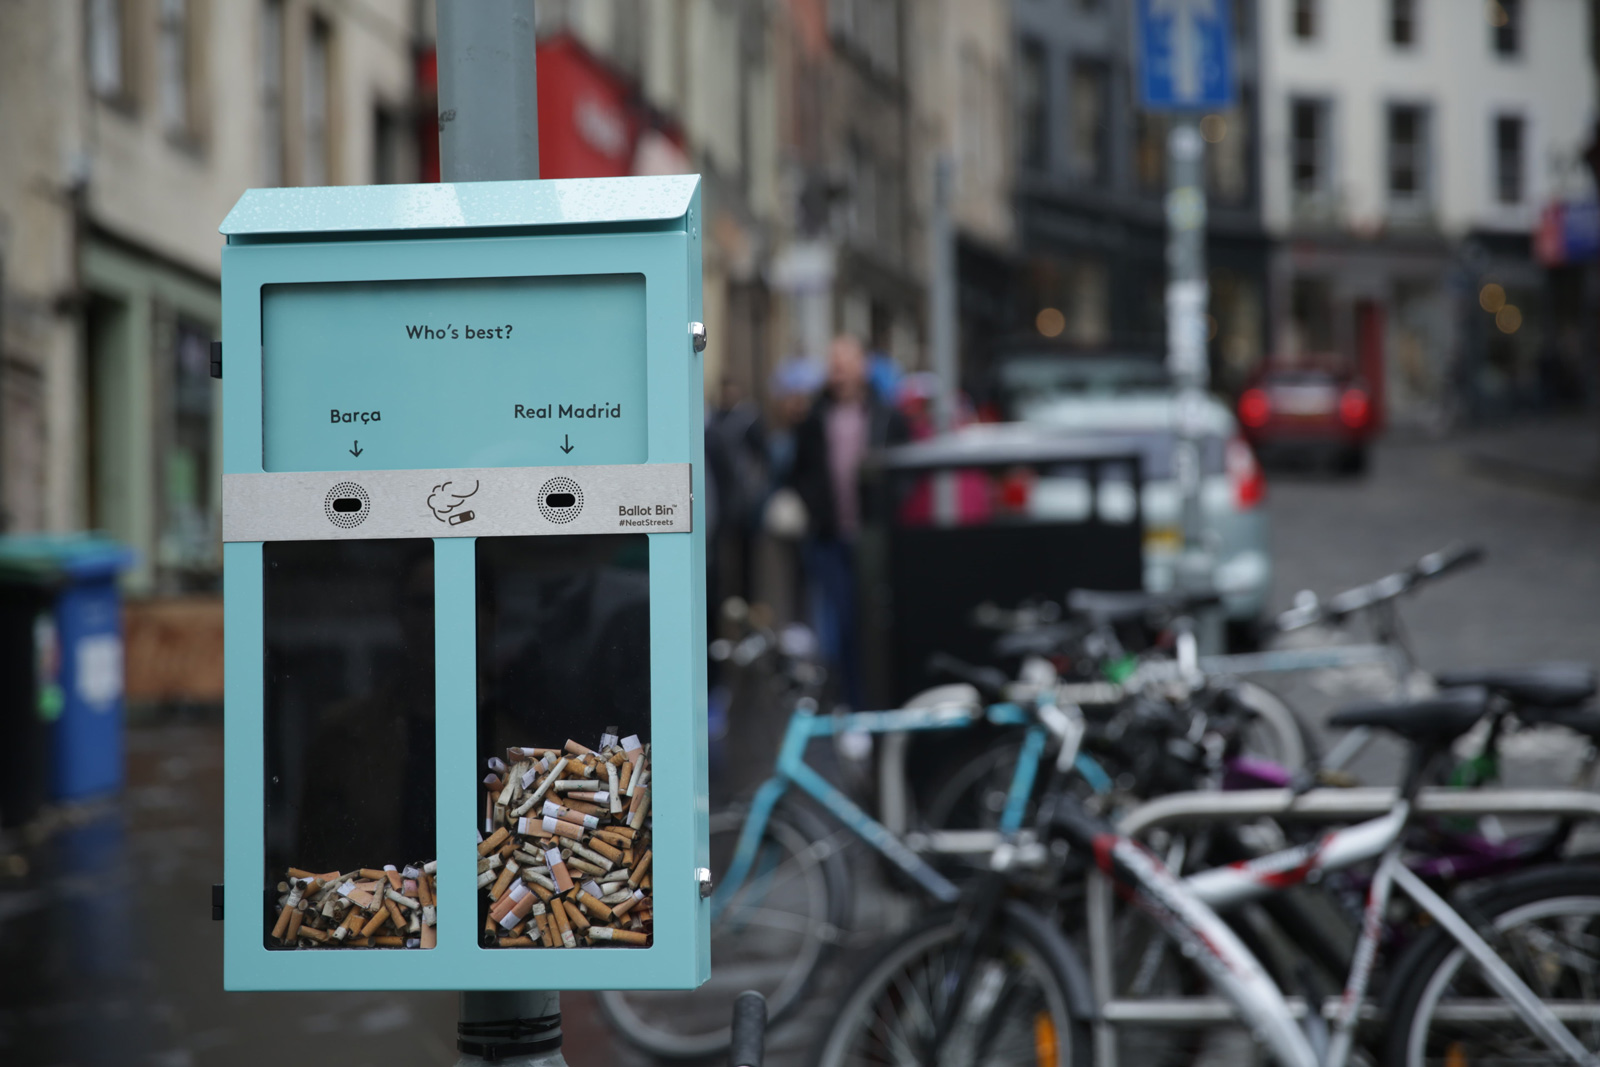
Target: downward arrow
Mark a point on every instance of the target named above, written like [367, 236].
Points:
[357, 450]
[566, 440]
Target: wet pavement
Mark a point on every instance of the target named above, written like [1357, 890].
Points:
[108, 954]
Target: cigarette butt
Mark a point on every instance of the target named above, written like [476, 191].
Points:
[609, 851]
[430, 937]
[281, 928]
[630, 745]
[425, 892]
[395, 914]
[625, 776]
[388, 941]
[642, 800]
[596, 908]
[563, 927]
[494, 841]
[611, 933]
[575, 916]
[371, 874]
[611, 781]
[371, 925]
[558, 870]
[314, 934]
[401, 899]
[295, 921]
[613, 899]
[644, 883]
[507, 873]
[393, 875]
[573, 802]
[568, 830]
[516, 942]
[297, 873]
[605, 863]
[486, 878]
[581, 864]
[628, 905]
[577, 749]
[640, 870]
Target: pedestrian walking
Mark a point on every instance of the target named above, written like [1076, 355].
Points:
[847, 422]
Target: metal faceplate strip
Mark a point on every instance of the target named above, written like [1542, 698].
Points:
[486, 502]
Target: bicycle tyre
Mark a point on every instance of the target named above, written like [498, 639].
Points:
[1288, 742]
[1036, 959]
[693, 1024]
[1436, 965]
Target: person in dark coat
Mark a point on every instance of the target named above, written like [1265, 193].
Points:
[847, 423]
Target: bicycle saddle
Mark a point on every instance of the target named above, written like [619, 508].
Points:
[1539, 685]
[1435, 720]
[1134, 605]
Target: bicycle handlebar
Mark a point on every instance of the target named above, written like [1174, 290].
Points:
[749, 1030]
[1340, 607]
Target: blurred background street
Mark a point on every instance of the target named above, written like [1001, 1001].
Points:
[108, 954]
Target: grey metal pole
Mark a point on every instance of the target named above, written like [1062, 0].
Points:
[942, 326]
[1188, 294]
[488, 92]
[489, 131]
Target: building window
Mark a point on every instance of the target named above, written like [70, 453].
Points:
[1304, 18]
[1088, 109]
[1227, 159]
[1032, 106]
[1408, 154]
[188, 536]
[108, 49]
[271, 84]
[1508, 137]
[1150, 152]
[1308, 145]
[1505, 23]
[1403, 23]
[314, 125]
[172, 56]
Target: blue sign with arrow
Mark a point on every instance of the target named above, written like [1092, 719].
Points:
[1185, 55]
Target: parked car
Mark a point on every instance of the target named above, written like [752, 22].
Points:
[1318, 415]
[1130, 397]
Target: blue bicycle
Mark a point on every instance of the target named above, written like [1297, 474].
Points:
[784, 888]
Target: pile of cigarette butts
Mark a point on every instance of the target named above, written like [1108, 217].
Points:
[365, 908]
[565, 850]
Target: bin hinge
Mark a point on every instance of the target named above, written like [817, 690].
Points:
[216, 359]
[216, 903]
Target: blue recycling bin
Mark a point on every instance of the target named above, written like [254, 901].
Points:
[77, 639]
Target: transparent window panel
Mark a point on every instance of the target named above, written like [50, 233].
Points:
[349, 744]
[564, 741]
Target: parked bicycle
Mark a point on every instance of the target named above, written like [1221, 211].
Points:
[1512, 977]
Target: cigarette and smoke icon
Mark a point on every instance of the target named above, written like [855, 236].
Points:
[446, 503]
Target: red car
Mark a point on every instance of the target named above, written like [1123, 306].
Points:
[1310, 414]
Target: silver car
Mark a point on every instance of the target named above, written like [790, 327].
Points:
[1129, 398]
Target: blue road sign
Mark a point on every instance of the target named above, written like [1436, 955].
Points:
[1185, 55]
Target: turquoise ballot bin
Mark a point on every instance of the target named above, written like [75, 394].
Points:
[464, 582]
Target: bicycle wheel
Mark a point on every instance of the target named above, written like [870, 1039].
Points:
[1547, 927]
[1274, 731]
[771, 937]
[1017, 1012]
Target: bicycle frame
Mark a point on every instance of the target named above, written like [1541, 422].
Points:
[1185, 909]
[792, 772]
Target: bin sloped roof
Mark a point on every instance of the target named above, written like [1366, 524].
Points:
[372, 209]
